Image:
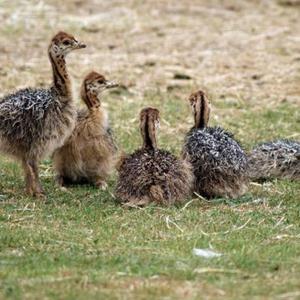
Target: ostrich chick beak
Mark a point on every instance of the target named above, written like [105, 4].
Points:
[111, 84]
[80, 45]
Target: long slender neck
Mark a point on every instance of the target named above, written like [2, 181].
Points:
[148, 134]
[90, 98]
[96, 112]
[61, 78]
[201, 114]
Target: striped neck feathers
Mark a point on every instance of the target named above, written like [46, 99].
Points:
[201, 112]
[148, 133]
[61, 78]
[90, 97]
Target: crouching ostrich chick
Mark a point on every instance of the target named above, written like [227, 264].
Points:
[89, 154]
[34, 122]
[278, 159]
[220, 165]
[151, 174]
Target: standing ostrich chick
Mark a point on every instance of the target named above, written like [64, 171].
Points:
[34, 122]
[152, 175]
[219, 163]
[89, 154]
[278, 159]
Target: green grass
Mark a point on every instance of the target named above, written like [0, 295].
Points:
[82, 245]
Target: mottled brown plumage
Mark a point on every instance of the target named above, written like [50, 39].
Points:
[89, 154]
[277, 159]
[34, 122]
[152, 175]
[219, 163]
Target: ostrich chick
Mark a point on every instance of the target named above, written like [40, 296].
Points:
[89, 154]
[151, 174]
[34, 122]
[278, 159]
[219, 163]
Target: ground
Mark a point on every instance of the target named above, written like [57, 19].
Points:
[80, 244]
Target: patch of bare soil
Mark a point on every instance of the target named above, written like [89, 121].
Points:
[244, 49]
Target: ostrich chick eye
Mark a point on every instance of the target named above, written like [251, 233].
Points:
[66, 43]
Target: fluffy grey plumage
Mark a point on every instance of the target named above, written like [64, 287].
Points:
[150, 174]
[35, 121]
[156, 176]
[278, 159]
[219, 163]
